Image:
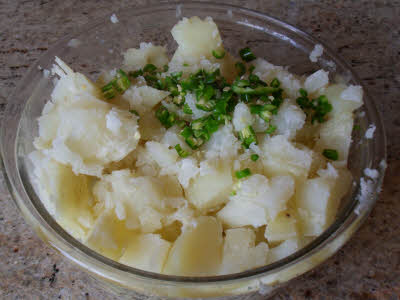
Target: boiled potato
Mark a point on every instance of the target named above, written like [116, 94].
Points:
[109, 235]
[284, 249]
[87, 134]
[68, 197]
[282, 228]
[318, 199]
[289, 120]
[343, 98]
[143, 98]
[196, 40]
[237, 214]
[336, 134]
[198, 250]
[138, 200]
[147, 252]
[257, 200]
[281, 157]
[147, 53]
[210, 190]
[240, 252]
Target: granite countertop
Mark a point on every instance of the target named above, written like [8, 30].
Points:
[365, 33]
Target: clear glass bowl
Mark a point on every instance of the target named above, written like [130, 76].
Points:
[101, 44]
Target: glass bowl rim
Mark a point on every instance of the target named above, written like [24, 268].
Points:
[330, 234]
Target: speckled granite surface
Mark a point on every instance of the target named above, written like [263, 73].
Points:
[365, 33]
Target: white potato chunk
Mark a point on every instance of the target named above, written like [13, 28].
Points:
[238, 214]
[267, 72]
[242, 117]
[66, 196]
[198, 250]
[316, 81]
[344, 99]
[71, 84]
[318, 199]
[147, 53]
[257, 200]
[289, 120]
[82, 131]
[240, 252]
[109, 235]
[223, 144]
[196, 38]
[336, 134]
[271, 194]
[137, 200]
[147, 252]
[283, 227]
[143, 98]
[210, 190]
[172, 137]
[284, 249]
[281, 157]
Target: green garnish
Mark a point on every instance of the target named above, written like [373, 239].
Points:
[254, 157]
[165, 68]
[356, 127]
[187, 110]
[275, 83]
[185, 64]
[271, 129]
[119, 84]
[330, 154]
[317, 108]
[246, 54]
[132, 111]
[243, 173]
[136, 73]
[218, 54]
[109, 90]
[322, 107]
[150, 68]
[251, 69]
[181, 152]
[165, 117]
[247, 136]
[240, 68]
[265, 115]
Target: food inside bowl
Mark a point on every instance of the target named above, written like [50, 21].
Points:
[203, 164]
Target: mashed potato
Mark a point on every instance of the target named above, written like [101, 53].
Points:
[204, 164]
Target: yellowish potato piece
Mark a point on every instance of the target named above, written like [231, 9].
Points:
[336, 134]
[281, 157]
[344, 99]
[198, 250]
[143, 98]
[79, 130]
[68, 197]
[147, 252]
[196, 40]
[137, 200]
[109, 235]
[240, 252]
[318, 199]
[242, 213]
[210, 190]
[283, 227]
[147, 53]
[196, 37]
[284, 249]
